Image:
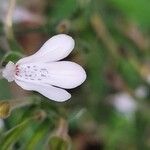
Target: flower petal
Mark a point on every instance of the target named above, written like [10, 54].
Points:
[53, 93]
[56, 48]
[65, 74]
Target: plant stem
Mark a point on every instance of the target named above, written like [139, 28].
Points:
[8, 27]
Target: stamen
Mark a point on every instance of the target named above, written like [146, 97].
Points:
[17, 70]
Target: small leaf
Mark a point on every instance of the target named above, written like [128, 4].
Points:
[37, 140]
[11, 56]
[10, 137]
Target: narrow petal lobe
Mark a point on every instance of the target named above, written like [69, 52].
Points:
[65, 74]
[56, 48]
[53, 93]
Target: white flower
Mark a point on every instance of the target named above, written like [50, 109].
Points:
[124, 103]
[44, 73]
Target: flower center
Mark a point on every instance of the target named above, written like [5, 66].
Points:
[31, 72]
[8, 71]
[17, 70]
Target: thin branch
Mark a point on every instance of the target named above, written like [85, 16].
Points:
[8, 22]
[8, 27]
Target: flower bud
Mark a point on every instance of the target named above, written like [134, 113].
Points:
[5, 109]
[40, 115]
[7, 106]
[63, 26]
[60, 138]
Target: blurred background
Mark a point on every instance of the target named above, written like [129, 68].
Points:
[111, 110]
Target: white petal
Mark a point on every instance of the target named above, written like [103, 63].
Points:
[48, 91]
[65, 74]
[56, 48]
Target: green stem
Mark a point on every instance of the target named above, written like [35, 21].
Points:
[8, 27]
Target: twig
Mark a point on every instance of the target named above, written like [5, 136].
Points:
[8, 27]
[8, 22]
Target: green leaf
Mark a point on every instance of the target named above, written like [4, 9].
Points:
[39, 138]
[9, 138]
[11, 56]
